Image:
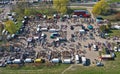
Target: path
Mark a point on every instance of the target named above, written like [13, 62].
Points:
[67, 69]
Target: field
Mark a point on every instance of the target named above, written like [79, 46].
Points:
[114, 33]
[30, 69]
[111, 67]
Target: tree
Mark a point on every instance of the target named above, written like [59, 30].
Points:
[1, 27]
[27, 11]
[101, 8]
[10, 27]
[102, 28]
[105, 28]
[108, 26]
[60, 5]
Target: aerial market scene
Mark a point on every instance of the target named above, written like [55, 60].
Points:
[59, 36]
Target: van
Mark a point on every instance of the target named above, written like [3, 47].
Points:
[44, 29]
[82, 31]
[52, 30]
[84, 60]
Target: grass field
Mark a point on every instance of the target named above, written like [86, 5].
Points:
[115, 33]
[30, 69]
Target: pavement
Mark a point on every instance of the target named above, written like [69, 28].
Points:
[6, 9]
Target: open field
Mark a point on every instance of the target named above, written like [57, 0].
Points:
[57, 69]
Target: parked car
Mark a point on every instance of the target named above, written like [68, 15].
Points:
[44, 29]
[8, 37]
[117, 49]
[116, 27]
[53, 30]
[9, 62]
[28, 60]
[99, 20]
[84, 60]
[99, 64]
[17, 61]
[2, 65]
[54, 35]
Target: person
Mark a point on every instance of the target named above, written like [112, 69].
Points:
[89, 46]
[71, 27]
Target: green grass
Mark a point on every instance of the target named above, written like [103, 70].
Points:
[78, 8]
[31, 69]
[107, 17]
[1, 42]
[18, 25]
[111, 67]
[114, 33]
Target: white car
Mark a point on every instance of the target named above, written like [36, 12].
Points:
[8, 37]
[117, 27]
[3, 32]
[117, 49]
[44, 29]
[94, 47]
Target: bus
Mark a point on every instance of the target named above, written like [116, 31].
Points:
[82, 13]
